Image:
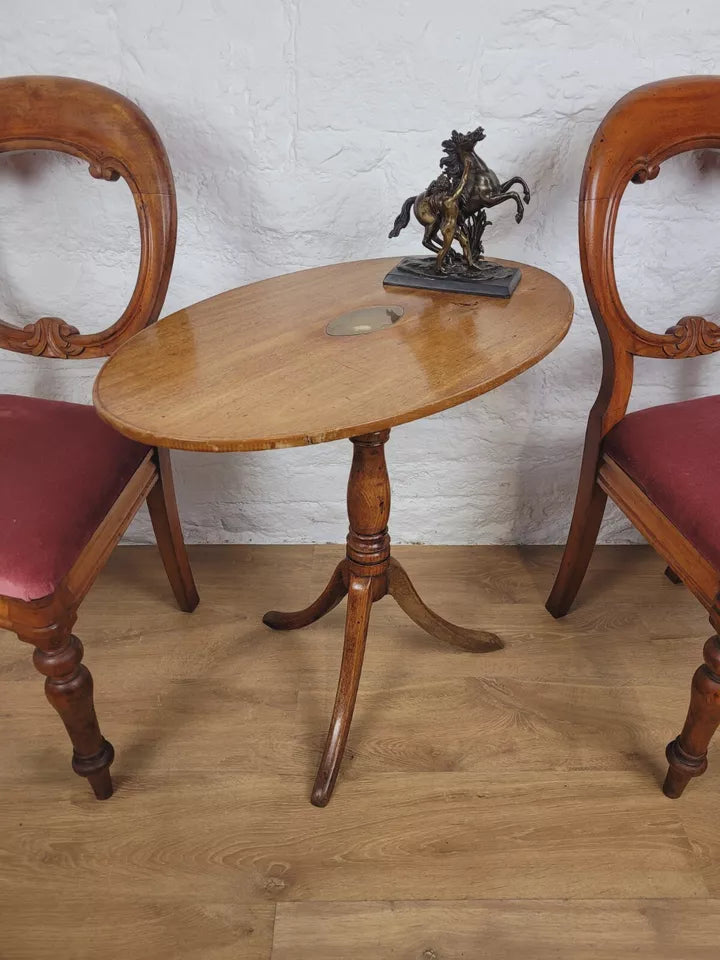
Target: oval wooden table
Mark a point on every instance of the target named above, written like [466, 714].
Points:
[256, 368]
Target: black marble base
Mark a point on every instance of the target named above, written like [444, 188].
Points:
[487, 280]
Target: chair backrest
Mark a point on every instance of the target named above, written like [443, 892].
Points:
[117, 140]
[648, 125]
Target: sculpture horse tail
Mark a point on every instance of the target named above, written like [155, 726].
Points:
[403, 218]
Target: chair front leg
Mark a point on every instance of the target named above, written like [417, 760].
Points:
[687, 755]
[69, 688]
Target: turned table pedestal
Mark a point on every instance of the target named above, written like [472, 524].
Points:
[321, 355]
[368, 573]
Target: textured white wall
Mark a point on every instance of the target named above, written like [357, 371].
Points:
[295, 129]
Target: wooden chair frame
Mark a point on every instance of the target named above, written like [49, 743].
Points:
[117, 140]
[646, 127]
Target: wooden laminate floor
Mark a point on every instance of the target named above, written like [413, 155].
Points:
[497, 806]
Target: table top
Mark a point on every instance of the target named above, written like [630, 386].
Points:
[254, 368]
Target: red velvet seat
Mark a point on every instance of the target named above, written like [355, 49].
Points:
[672, 452]
[62, 470]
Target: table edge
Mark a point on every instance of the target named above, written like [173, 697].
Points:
[342, 433]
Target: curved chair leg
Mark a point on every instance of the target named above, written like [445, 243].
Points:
[672, 576]
[327, 601]
[406, 596]
[687, 755]
[360, 600]
[168, 533]
[69, 688]
[587, 517]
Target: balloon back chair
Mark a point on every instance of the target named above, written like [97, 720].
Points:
[69, 484]
[661, 465]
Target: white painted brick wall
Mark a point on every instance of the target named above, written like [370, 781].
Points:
[295, 129]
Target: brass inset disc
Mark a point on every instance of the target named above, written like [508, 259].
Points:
[365, 320]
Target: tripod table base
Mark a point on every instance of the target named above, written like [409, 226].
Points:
[367, 574]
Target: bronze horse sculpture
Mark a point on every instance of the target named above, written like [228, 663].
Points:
[453, 206]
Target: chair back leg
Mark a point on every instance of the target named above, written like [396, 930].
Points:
[168, 533]
[587, 517]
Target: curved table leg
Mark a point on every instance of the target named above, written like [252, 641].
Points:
[360, 600]
[327, 601]
[401, 589]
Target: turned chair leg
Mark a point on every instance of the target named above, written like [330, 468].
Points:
[687, 755]
[69, 688]
[360, 601]
[587, 517]
[168, 533]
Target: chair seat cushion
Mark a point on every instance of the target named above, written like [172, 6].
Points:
[62, 469]
[672, 452]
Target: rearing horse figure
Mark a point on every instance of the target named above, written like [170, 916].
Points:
[483, 187]
[479, 188]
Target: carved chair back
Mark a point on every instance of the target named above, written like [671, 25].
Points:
[117, 140]
[644, 128]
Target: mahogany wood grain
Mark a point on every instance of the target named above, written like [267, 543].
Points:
[360, 600]
[327, 601]
[687, 755]
[162, 506]
[254, 369]
[367, 574]
[646, 127]
[117, 140]
[406, 596]
[697, 573]
[69, 689]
